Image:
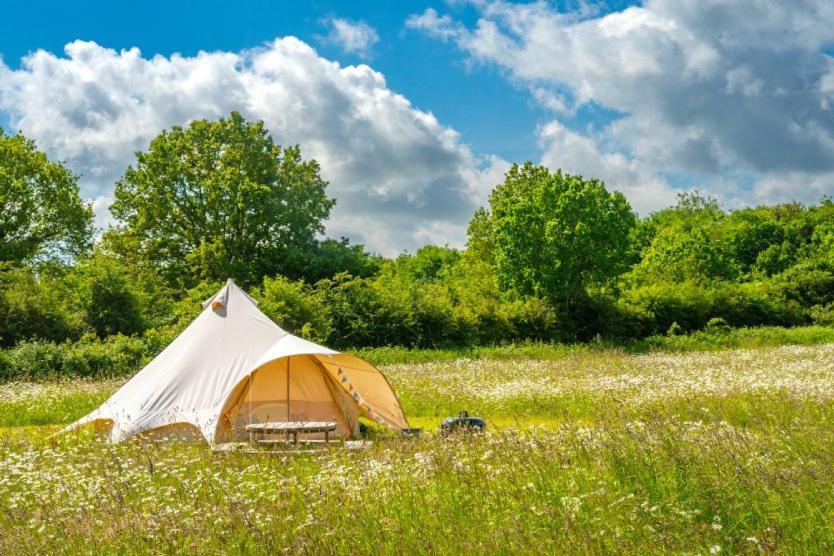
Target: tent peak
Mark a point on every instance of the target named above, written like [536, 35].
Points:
[220, 299]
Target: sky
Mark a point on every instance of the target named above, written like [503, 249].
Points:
[416, 109]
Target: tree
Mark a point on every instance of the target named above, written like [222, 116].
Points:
[106, 292]
[480, 243]
[220, 199]
[692, 241]
[555, 234]
[329, 257]
[33, 308]
[42, 215]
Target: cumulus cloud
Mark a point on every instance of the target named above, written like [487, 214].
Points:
[578, 154]
[397, 173]
[354, 37]
[706, 88]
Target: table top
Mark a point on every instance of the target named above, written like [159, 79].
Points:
[293, 426]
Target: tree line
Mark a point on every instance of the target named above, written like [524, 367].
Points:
[552, 257]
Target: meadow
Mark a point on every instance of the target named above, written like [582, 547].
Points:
[589, 450]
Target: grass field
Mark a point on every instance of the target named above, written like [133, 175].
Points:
[588, 450]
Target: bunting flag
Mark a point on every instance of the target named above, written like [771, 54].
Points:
[360, 401]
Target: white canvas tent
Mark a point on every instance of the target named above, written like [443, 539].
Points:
[233, 366]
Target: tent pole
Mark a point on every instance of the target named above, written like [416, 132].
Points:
[288, 388]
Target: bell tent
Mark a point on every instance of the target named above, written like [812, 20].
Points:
[232, 367]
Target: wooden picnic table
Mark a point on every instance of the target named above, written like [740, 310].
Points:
[291, 428]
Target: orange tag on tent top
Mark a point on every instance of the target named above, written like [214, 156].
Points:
[216, 305]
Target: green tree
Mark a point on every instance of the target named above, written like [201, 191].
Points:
[32, 307]
[329, 257]
[220, 199]
[105, 292]
[555, 234]
[690, 241]
[41, 212]
[480, 242]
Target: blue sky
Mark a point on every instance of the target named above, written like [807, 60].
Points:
[415, 109]
[491, 114]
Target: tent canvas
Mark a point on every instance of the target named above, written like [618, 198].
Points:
[233, 366]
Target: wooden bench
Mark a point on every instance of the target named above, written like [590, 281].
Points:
[257, 431]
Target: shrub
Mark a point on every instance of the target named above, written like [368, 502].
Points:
[808, 286]
[90, 357]
[111, 308]
[823, 315]
[532, 318]
[295, 307]
[691, 305]
[34, 360]
[363, 316]
[116, 356]
[30, 309]
[717, 324]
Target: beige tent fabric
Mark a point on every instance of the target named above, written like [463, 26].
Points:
[263, 397]
[232, 354]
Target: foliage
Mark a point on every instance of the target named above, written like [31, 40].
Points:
[327, 258]
[219, 199]
[42, 215]
[31, 307]
[685, 242]
[553, 258]
[294, 307]
[106, 295]
[556, 234]
[90, 357]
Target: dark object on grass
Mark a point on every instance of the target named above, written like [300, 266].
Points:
[463, 422]
[411, 433]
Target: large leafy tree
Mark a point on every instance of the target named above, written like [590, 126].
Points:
[42, 215]
[219, 199]
[554, 234]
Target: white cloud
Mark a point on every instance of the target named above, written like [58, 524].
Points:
[394, 170]
[431, 22]
[710, 89]
[354, 37]
[578, 154]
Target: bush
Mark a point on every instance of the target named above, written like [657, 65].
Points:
[111, 308]
[90, 357]
[691, 306]
[532, 318]
[823, 315]
[34, 360]
[116, 356]
[717, 324]
[362, 315]
[295, 307]
[32, 309]
[808, 286]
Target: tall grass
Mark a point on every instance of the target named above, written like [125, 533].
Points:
[729, 451]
